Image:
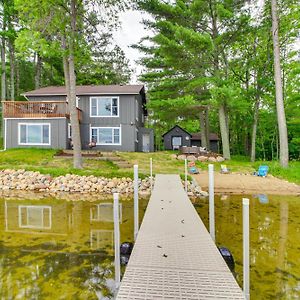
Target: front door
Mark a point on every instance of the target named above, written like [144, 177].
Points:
[146, 143]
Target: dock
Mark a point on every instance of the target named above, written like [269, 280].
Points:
[174, 256]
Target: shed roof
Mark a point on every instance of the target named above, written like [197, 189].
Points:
[177, 126]
[88, 90]
[197, 136]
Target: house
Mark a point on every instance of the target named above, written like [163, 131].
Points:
[213, 141]
[177, 137]
[111, 116]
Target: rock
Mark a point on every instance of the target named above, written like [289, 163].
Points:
[111, 184]
[202, 158]
[220, 158]
[191, 158]
[181, 157]
[173, 156]
[212, 159]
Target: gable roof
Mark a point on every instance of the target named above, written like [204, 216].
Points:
[177, 126]
[89, 90]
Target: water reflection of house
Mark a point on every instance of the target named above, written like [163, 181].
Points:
[35, 218]
[104, 212]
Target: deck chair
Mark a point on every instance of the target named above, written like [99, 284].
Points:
[192, 168]
[224, 169]
[263, 171]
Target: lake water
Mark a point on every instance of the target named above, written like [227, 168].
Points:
[274, 241]
[56, 249]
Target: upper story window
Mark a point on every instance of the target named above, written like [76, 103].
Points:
[104, 107]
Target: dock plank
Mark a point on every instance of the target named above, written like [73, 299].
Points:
[174, 256]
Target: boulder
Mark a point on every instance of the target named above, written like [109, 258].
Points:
[212, 159]
[220, 159]
[181, 157]
[202, 158]
[191, 158]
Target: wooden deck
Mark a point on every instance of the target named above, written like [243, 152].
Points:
[174, 256]
[37, 109]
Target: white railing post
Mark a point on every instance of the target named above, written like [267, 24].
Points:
[117, 240]
[151, 174]
[211, 202]
[136, 199]
[246, 238]
[185, 176]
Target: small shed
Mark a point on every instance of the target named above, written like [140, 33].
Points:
[213, 141]
[176, 137]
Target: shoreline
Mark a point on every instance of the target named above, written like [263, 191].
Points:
[237, 183]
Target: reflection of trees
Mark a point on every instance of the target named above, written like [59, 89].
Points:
[41, 274]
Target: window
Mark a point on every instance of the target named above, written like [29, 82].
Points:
[34, 134]
[104, 106]
[136, 110]
[104, 212]
[38, 217]
[106, 135]
[136, 135]
[69, 131]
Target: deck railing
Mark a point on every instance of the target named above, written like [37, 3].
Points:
[37, 109]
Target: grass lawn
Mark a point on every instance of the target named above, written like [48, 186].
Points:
[42, 160]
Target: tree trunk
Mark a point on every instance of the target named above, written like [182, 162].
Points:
[72, 100]
[283, 137]
[17, 77]
[3, 70]
[203, 129]
[38, 71]
[224, 132]
[254, 129]
[12, 68]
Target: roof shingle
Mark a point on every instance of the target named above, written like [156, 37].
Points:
[87, 90]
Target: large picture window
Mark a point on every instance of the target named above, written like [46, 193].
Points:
[34, 134]
[104, 107]
[106, 135]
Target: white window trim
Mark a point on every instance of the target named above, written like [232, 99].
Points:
[107, 144]
[33, 144]
[99, 218]
[77, 101]
[42, 207]
[111, 116]
[137, 135]
[69, 131]
[136, 109]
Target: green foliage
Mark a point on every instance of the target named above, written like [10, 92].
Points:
[190, 59]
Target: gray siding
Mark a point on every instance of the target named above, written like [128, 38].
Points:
[176, 131]
[58, 133]
[141, 132]
[127, 120]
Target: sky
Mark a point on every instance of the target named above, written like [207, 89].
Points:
[130, 32]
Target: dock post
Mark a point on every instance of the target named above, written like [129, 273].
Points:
[211, 202]
[136, 199]
[185, 176]
[117, 240]
[246, 265]
[151, 174]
